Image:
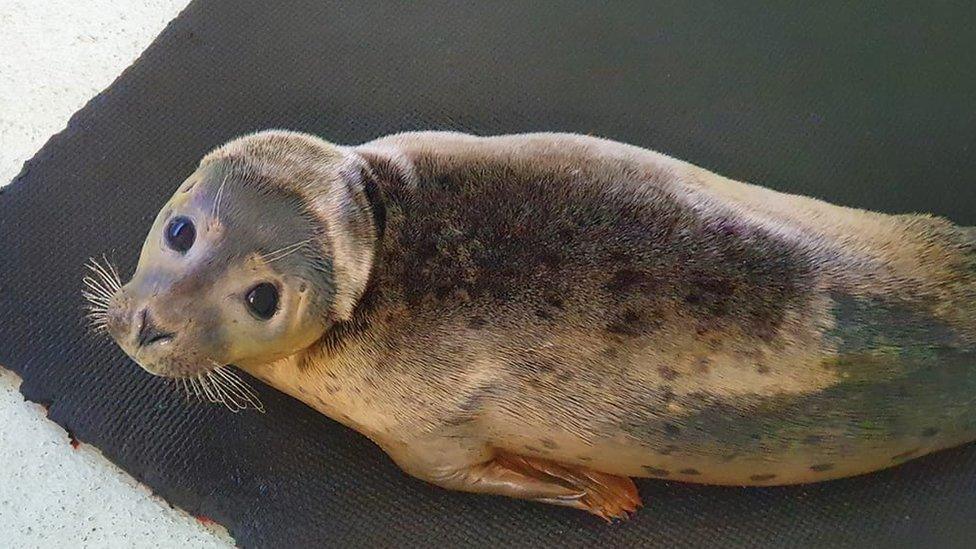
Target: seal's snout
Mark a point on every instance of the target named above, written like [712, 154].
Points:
[142, 332]
[148, 333]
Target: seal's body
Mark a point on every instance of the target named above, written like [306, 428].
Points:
[545, 315]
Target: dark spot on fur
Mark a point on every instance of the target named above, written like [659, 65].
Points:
[905, 455]
[763, 477]
[667, 450]
[609, 352]
[543, 314]
[549, 443]
[755, 436]
[668, 373]
[626, 324]
[656, 471]
[471, 405]
[620, 329]
[565, 376]
[554, 301]
[930, 432]
[763, 369]
[477, 322]
[672, 430]
[821, 467]
[689, 472]
[632, 323]
[623, 281]
[618, 257]
[550, 259]
[813, 440]
[729, 227]
[667, 395]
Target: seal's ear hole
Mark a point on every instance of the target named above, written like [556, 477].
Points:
[262, 300]
[180, 234]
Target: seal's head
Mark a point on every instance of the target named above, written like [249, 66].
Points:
[263, 248]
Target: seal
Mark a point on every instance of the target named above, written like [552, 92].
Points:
[545, 316]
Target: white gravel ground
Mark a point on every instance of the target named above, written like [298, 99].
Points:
[54, 56]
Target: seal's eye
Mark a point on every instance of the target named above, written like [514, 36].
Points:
[180, 234]
[262, 300]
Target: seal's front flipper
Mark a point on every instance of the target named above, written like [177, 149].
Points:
[451, 464]
[604, 495]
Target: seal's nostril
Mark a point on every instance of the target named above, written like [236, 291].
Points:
[148, 332]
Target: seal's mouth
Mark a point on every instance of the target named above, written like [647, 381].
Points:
[148, 344]
[148, 334]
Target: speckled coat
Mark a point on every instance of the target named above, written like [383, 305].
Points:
[514, 313]
[594, 303]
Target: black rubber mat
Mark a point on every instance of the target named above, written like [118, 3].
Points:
[864, 104]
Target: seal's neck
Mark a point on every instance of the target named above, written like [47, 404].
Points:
[352, 213]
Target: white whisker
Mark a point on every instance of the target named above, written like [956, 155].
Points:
[207, 391]
[115, 274]
[95, 289]
[196, 388]
[95, 301]
[236, 381]
[103, 274]
[284, 251]
[221, 385]
[220, 194]
[237, 388]
[100, 286]
[96, 285]
[226, 397]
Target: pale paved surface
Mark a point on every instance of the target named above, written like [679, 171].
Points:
[54, 56]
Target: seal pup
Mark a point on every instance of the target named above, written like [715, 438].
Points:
[544, 316]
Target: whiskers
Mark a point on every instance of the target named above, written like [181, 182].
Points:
[215, 209]
[284, 251]
[221, 385]
[101, 283]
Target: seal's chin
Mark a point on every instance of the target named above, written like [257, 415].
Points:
[175, 369]
[204, 380]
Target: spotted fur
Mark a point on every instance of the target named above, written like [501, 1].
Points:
[618, 303]
[595, 304]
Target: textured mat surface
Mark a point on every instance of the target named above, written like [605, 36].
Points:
[860, 107]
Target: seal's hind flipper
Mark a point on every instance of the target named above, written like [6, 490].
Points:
[607, 496]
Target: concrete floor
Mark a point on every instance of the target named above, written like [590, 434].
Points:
[56, 55]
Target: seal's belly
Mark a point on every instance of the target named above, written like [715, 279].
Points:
[904, 385]
[853, 427]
